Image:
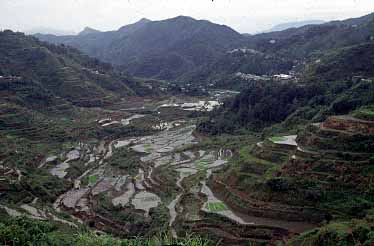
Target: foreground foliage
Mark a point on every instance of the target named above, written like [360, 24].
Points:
[355, 232]
[24, 231]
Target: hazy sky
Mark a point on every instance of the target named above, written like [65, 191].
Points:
[243, 15]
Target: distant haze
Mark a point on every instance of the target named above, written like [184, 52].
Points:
[284, 26]
[48, 30]
[246, 16]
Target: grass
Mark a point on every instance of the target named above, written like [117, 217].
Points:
[246, 157]
[354, 232]
[92, 179]
[195, 179]
[201, 167]
[204, 162]
[216, 206]
[24, 231]
[365, 113]
[148, 147]
[87, 239]
[125, 161]
[277, 139]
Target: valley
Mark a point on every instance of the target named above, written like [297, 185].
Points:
[186, 132]
[167, 177]
[140, 184]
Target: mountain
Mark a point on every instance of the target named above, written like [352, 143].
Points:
[162, 49]
[300, 43]
[291, 153]
[337, 64]
[224, 70]
[47, 30]
[334, 75]
[314, 157]
[47, 89]
[88, 30]
[297, 24]
[60, 72]
[186, 49]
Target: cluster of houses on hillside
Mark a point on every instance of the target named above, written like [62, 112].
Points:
[279, 77]
[93, 71]
[9, 78]
[244, 50]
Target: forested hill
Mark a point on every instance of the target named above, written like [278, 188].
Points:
[58, 72]
[334, 82]
[299, 43]
[342, 64]
[163, 49]
[196, 50]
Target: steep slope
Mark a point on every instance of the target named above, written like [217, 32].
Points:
[335, 83]
[61, 71]
[43, 88]
[163, 49]
[285, 51]
[282, 51]
[94, 44]
[323, 173]
[338, 64]
[222, 72]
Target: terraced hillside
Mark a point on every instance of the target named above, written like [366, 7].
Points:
[322, 175]
[84, 149]
[132, 172]
[59, 71]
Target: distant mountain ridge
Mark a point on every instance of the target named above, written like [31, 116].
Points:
[88, 30]
[300, 43]
[47, 31]
[186, 49]
[296, 24]
[163, 49]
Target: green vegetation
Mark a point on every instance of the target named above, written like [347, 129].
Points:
[148, 148]
[200, 54]
[50, 71]
[23, 231]
[195, 43]
[125, 160]
[287, 106]
[277, 139]
[224, 141]
[201, 167]
[92, 179]
[365, 113]
[19, 153]
[337, 64]
[355, 232]
[204, 162]
[51, 97]
[249, 169]
[259, 106]
[216, 206]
